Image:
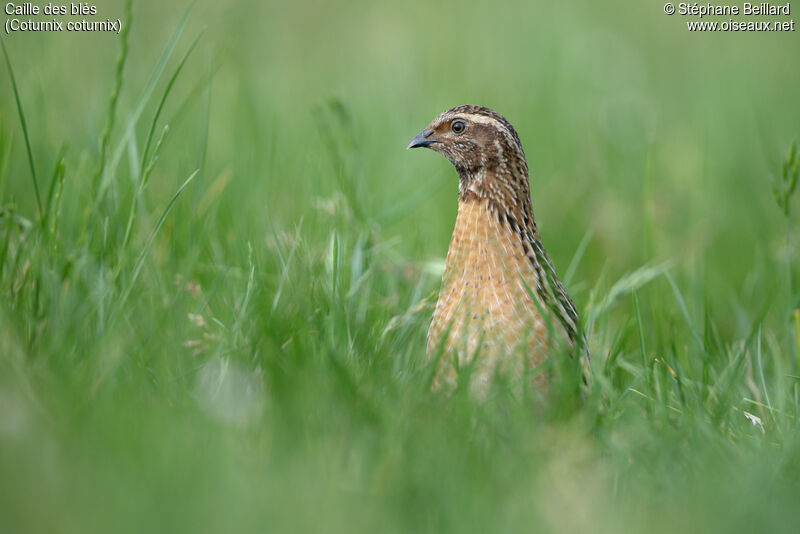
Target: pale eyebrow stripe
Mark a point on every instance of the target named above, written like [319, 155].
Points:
[478, 118]
[474, 117]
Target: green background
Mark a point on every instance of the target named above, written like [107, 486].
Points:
[249, 354]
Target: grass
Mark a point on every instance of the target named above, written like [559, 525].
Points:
[243, 349]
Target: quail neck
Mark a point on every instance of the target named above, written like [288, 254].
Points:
[501, 306]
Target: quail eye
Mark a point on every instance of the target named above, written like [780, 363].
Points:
[458, 127]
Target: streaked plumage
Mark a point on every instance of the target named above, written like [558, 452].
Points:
[497, 275]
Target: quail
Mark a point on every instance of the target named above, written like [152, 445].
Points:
[501, 306]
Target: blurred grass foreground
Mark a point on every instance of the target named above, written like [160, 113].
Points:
[218, 264]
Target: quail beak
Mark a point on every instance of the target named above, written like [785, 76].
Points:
[422, 139]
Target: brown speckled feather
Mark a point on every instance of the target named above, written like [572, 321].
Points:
[497, 275]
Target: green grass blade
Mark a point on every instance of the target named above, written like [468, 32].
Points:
[625, 285]
[206, 128]
[143, 254]
[237, 325]
[685, 312]
[54, 207]
[286, 262]
[112, 103]
[135, 114]
[24, 127]
[163, 100]
[760, 366]
[576, 258]
[5, 152]
[142, 183]
[796, 317]
[640, 329]
[58, 175]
